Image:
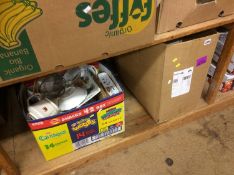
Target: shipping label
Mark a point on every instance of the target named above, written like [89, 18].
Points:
[182, 82]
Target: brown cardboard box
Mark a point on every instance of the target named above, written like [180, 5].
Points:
[182, 13]
[151, 73]
[61, 32]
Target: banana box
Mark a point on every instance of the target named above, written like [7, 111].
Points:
[39, 36]
[64, 133]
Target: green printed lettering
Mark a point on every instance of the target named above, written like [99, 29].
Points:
[115, 15]
[101, 16]
[124, 14]
[137, 9]
[148, 7]
[87, 19]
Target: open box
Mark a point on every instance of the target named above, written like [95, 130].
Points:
[174, 14]
[63, 133]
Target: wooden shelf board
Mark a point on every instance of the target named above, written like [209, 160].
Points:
[139, 127]
[159, 38]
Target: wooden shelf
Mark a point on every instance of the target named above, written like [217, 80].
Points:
[139, 127]
[157, 39]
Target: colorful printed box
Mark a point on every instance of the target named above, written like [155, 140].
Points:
[62, 134]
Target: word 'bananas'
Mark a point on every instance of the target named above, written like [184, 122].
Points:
[14, 15]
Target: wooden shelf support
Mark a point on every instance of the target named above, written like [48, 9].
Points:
[222, 66]
[6, 163]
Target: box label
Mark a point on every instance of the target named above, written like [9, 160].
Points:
[207, 42]
[181, 82]
[110, 116]
[92, 128]
[83, 128]
[19, 61]
[17, 57]
[54, 141]
[124, 17]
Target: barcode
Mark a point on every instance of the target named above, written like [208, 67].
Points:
[107, 133]
[83, 143]
[187, 77]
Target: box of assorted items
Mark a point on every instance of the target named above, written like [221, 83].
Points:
[70, 110]
[36, 36]
[168, 79]
[173, 14]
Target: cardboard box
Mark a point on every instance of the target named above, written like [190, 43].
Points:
[64, 133]
[174, 14]
[49, 34]
[168, 79]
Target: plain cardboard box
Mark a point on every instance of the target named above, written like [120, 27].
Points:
[64, 33]
[151, 73]
[181, 13]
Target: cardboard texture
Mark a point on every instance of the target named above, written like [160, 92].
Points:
[63, 33]
[151, 75]
[182, 13]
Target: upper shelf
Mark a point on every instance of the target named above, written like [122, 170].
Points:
[160, 38]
